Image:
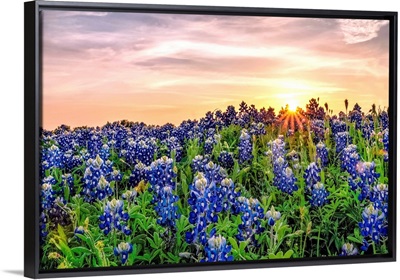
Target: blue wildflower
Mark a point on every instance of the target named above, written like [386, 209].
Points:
[209, 145]
[245, 147]
[257, 129]
[217, 250]
[272, 216]
[322, 154]
[380, 196]
[338, 126]
[342, 139]
[251, 215]
[199, 162]
[122, 251]
[356, 116]
[373, 224]
[138, 174]
[129, 195]
[319, 195]
[384, 120]
[311, 176]
[166, 208]
[318, 130]
[225, 159]
[348, 249]
[368, 178]
[114, 217]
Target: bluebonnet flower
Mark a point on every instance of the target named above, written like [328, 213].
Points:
[385, 141]
[43, 226]
[129, 195]
[201, 210]
[217, 250]
[245, 147]
[175, 146]
[47, 196]
[96, 185]
[284, 178]
[338, 126]
[209, 145]
[166, 208]
[199, 162]
[122, 251]
[348, 249]
[311, 176]
[161, 173]
[365, 245]
[102, 189]
[293, 156]
[251, 215]
[318, 130]
[161, 176]
[57, 214]
[114, 217]
[380, 196]
[384, 120]
[272, 216]
[349, 159]
[322, 154]
[225, 159]
[51, 157]
[79, 230]
[257, 129]
[373, 224]
[229, 116]
[368, 127]
[342, 139]
[137, 174]
[356, 116]
[116, 175]
[142, 149]
[368, 178]
[214, 173]
[319, 195]
[69, 160]
[104, 152]
[227, 196]
[277, 147]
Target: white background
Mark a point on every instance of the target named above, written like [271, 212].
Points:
[11, 153]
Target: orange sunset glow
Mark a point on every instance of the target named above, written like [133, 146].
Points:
[159, 68]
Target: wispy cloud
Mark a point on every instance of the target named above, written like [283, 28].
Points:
[359, 30]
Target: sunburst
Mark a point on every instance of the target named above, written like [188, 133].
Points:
[291, 118]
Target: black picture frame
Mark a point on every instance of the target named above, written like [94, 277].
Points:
[32, 121]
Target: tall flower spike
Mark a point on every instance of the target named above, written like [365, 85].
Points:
[114, 217]
[251, 215]
[373, 224]
[322, 154]
[311, 176]
[245, 147]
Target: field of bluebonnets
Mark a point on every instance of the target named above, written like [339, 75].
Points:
[240, 184]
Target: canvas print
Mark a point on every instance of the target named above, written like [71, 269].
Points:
[176, 139]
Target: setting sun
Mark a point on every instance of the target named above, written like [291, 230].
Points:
[293, 104]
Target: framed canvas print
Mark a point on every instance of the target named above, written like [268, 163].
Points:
[177, 138]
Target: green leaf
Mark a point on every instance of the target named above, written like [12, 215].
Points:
[233, 243]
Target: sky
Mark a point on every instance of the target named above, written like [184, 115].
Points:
[159, 68]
